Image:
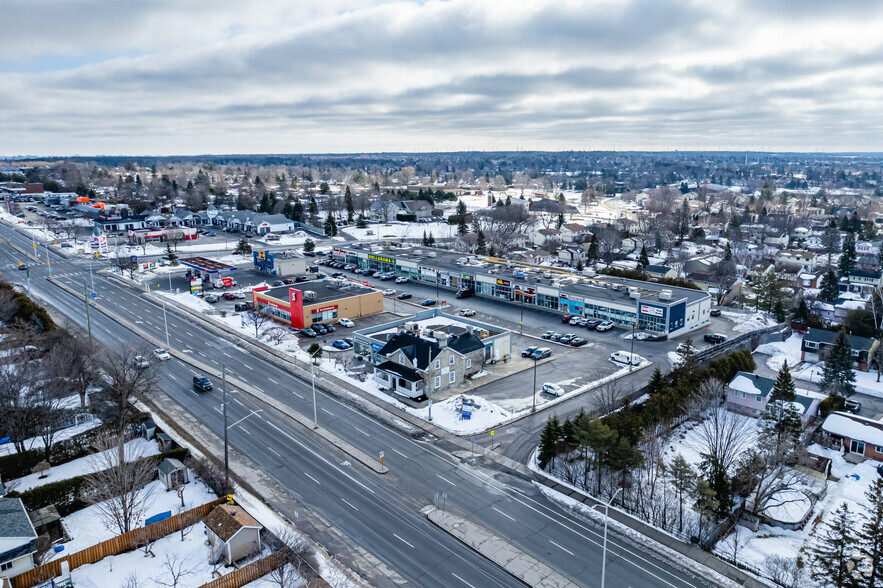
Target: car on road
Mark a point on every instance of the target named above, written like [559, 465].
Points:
[308, 333]
[852, 406]
[605, 326]
[229, 296]
[429, 302]
[553, 389]
[403, 296]
[277, 283]
[541, 353]
[202, 383]
[161, 354]
[309, 253]
[211, 234]
[467, 312]
[389, 292]
[140, 361]
[715, 312]
[338, 275]
[566, 318]
[320, 329]
[592, 323]
[578, 342]
[402, 280]
[22, 266]
[345, 322]
[341, 344]
[528, 351]
[211, 298]
[715, 338]
[626, 358]
[548, 335]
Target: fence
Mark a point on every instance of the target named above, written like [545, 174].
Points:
[251, 572]
[119, 544]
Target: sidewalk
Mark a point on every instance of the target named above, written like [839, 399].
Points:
[525, 567]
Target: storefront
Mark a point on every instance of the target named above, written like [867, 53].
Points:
[322, 303]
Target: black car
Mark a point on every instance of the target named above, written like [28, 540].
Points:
[243, 306]
[403, 296]
[330, 328]
[716, 312]
[578, 342]
[369, 273]
[429, 302]
[308, 333]
[466, 293]
[715, 338]
[310, 253]
[202, 383]
[528, 352]
[852, 406]
[320, 329]
[592, 323]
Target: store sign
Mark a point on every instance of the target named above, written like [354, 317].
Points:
[502, 282]
[651, 310]
[339, 252]
[293, 295]
[381, 259]
[323, 309]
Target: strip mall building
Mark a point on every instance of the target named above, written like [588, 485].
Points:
[319, 301]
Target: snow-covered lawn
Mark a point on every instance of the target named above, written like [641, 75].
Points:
[135, 449]
[781, 351]
[85, 529]
[37, 442]
[745, 323]
[399, 229]
[865, 382]
[296, 238]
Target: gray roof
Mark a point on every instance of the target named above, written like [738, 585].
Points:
[765, 385]
[828, 338]
[402, 371]
[14, 520]
[657, 269]
[169, 465]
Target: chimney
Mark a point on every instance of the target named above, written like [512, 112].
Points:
[233, 512]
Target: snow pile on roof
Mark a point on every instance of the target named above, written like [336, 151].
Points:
[854, 428]
[745, 323]
[746, 385]
[787, 506]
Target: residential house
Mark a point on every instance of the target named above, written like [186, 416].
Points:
[572, 255]
[660, 271]
[385, 210]
[233, 533]
[861, 437]
[864, 282]
[816, 342]
[777, 239]
[575, 232]
[421, 209]
[789, 258]
[809, 280]
[17, 536]
[541, 237]
[749, 394]
[421, 363]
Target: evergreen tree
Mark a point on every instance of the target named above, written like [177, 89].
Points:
[170, 255]
[550, 438]
[831, 241]
[658, 382]
[880, 259]
[779, 310]
[361, 222]
[350, 209]
[481, 244]
[728, 253]
[683, 478]
[579, 265]
[871, 533]
[592, 253]
[330, 225]
[838, 377]
[829, 291]
[705, 503]
[242, 247]
[781, 421]
[425, 240]
[288, 210]
[801, 313]
[847, 256]
[297, 211]
[462, 227]
[644, 260]
[309, 245]
[314, 206]
[767, 288]
[560, 221]
[833, 549]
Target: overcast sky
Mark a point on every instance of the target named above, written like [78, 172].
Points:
[226, 76]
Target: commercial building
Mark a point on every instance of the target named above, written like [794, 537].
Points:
[319, 302]
[430, 352]
[279, 264]
[655, 307]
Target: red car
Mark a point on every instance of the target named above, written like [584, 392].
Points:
[229, 296]
[288, 281]
[566, 318]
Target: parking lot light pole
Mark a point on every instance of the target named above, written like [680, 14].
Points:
[632, 356]
[534, 395]
[604, 549]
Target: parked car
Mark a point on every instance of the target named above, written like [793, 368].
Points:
[211, 234]
[350, 340]
[466, 293]
[243, 306]
[238, 295]
[277, 283]
[528, 351]
[320, 329]
[548, 335]
[310, 253]
[402, 280]
[605, 326]
[229, 296]
[341, 344]
[566, 338]
[566, 318]
[308, 333]
[161, 354]
[715, 312]
[329, 327]
[852, 406]
[338, 275]
[553, 389]
[140, 361]
[403, 296]
[578, 321]
[556, 337]
[626, 358]
[345, 322]
[389, 292]
[541, 353]
[715, 338]
[210, 298]
[288, 281]
[429, 302]
[202, 383]
[578, 342]
[592, 323]
[369, 272]
[302, 278]
[467, 312]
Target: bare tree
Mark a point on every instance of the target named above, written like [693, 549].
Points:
[784, 571]
[18, 394]
[722, 437]
[298, 559]
[610, 396]
[119, 489]
[8, 306]
[131, 580]
[175, 569]
[257, 319]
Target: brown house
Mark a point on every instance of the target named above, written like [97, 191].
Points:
[233, 533]
[861, 437]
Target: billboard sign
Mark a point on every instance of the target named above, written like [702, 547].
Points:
[652, 310]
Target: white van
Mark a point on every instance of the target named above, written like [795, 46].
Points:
[626, 358]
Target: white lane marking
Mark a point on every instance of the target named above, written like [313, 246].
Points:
[274, 381]
[173, 377]
[349, 505]
[328, 411]
[296, 394]
[244, 430]
[248, 366]
[502, 513]
[462, 580]
[399, 452]
[274, 451]
[312, 478]
[561, 548]
[361, 431]
[227, 354]
[445, 479]
[403, 541]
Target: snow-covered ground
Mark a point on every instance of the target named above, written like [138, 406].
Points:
[406, 230]
[135, 449]
[781, 351]
[295, 239]
[37, 442]
[865, 382]
[745, 323]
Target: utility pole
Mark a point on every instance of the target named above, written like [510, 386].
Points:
[226, 452]
[632, 355]
[48, 263]
[165, 320]
[28, 274]
[534, 394]
[604, 549]
[313, 378]
[88, 318]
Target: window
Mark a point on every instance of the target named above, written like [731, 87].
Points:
[451, 377]
[879, 449]
[402, 358]
[811, 344]
[438, 381]
[758, 398]
[5, 566]
[451, 360]
[857, 447]
[437, 364]
[469, 365]
[740, 394]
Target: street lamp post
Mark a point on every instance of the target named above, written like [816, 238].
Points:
[632, 355]
[313, 378]
[88, 318]
[534, 395]
[226, 452]
[604, 549]
[522, 312]
[165, 321]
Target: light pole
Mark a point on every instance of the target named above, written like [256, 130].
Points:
[88, 318]
[48, 262]
[534, 395]
[604, 550]
[313, 378]
[632, 354]
[522, 312]
[165, 320]
[226, 453]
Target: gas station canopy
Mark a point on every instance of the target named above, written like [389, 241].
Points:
[206, 265]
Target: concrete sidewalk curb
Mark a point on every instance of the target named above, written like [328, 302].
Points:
[357, 454]
[693, 552]
[523, 566]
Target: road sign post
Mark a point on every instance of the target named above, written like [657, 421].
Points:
[381, 458]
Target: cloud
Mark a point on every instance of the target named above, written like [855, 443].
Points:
[348, 75]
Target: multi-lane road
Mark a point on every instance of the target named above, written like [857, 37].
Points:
[377, 514]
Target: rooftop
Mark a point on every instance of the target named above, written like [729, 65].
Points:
[325, 291]
[225, 520]
[205, 264]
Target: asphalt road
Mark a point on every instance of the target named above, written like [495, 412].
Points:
[376, 513]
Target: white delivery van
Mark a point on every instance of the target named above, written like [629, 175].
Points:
[626, 358]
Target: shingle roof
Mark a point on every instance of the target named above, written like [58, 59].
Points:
[465, 343]
[401, 371]
[225, 520]
[413, 347]
[752, 383]
[169, 465]
[657, 269]
[828, 337]
[14, 520]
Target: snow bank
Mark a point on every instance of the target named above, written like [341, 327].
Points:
[779, 352]
[746, 323]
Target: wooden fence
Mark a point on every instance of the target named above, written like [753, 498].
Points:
[119, 544]
[251, 572]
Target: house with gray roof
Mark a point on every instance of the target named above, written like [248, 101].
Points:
[749, 394]
[817, 342]
[17, 536]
